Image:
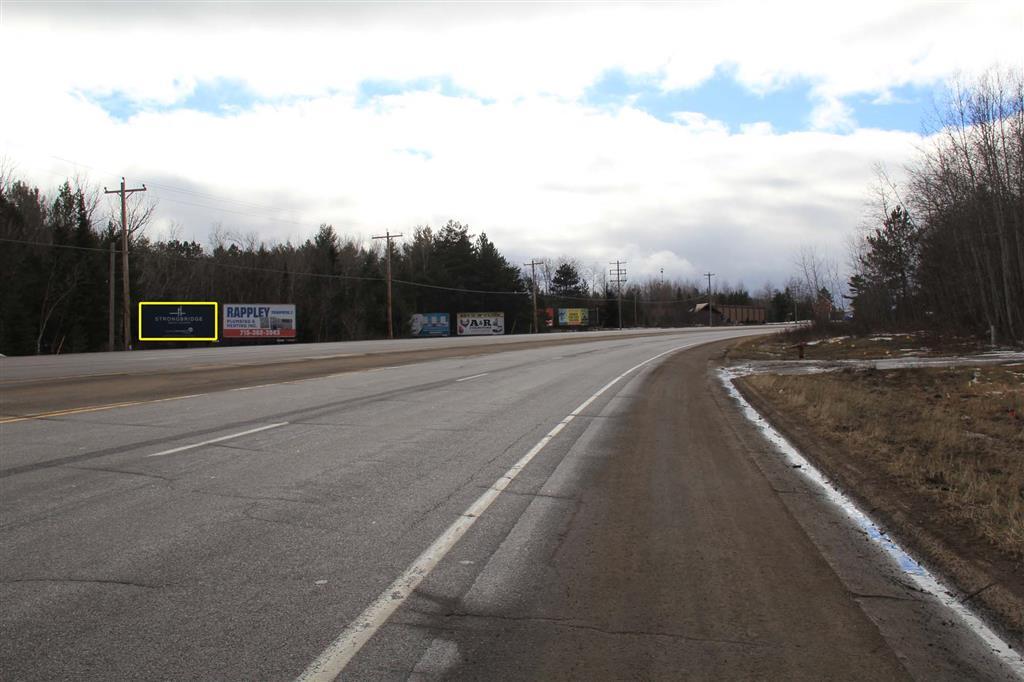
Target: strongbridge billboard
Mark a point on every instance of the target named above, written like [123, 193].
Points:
[177, 321]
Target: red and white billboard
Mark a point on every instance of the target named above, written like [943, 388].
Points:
[259, 320]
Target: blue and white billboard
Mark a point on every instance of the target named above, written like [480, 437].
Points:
[431, 324]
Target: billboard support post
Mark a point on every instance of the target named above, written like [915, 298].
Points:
[388, 236]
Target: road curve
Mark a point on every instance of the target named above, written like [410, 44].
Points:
[237, 534]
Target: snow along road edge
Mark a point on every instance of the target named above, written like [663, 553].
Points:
[920, 575]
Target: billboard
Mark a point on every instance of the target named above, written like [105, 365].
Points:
[431, 324]
[481, 324]
[573, 317]
[259, 320]
[177, 321]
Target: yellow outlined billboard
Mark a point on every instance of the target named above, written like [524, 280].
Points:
[178, 321]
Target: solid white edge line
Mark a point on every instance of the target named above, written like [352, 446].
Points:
[475, 376]
[216, 440]
[924, 579]
[329, 664]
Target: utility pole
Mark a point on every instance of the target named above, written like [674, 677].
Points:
[533, 274]
[636, 317]
[110, 302]
[127, 294]
[709, 275]
[619, 273]
[388, 236]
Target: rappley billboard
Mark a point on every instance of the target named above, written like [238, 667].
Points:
[259, 320]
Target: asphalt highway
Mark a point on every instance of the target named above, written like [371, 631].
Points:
[592, 510]
[40, 367]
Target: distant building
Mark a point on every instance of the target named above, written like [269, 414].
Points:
[725, 314]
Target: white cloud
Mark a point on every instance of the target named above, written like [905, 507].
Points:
[530, 165]
[832, 114]
[697, 122]
[757, 128]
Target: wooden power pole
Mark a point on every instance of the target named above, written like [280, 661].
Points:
[619, 273]
[388, 236]
[709, 275]
[110, 301]
[533, 274]
[127, 297]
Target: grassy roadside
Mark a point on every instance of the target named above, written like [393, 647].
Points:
[840, 345]
[936, 454]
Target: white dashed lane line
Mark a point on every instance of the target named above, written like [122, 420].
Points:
[216, 440]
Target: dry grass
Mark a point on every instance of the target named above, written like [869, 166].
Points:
[951, 438]
[836, 345]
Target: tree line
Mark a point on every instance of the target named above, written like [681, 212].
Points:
[56, 255]
[948, 248]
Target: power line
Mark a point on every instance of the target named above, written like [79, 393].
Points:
[464, 291]
[172, 188]
[267, 211]
[221, 209]
[205, 258]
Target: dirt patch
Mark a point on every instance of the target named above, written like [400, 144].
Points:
[936, 454]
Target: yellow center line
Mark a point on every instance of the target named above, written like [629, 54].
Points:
[93, 408]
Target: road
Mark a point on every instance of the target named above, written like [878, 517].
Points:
[592, 510]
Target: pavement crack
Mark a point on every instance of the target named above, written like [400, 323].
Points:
[467, 480]
[863, 595]
[544, 495]
[111, 470]
[256, 498]
[93, 581]
[905, 585]
[576, 625]
[249, 513]
[782, 491]
[230, 446]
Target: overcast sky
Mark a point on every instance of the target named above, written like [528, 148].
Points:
[686, 136]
